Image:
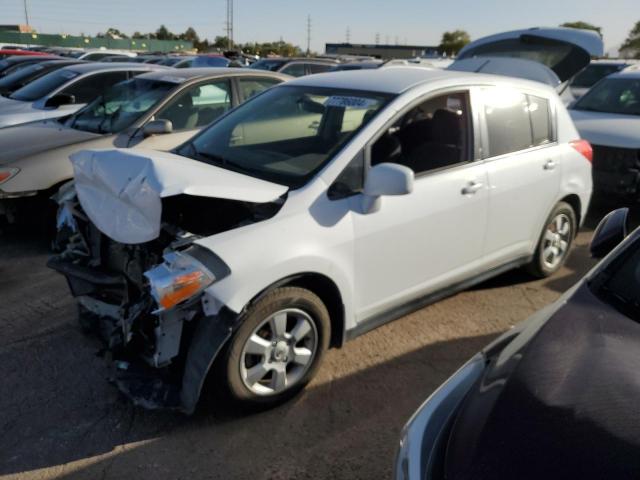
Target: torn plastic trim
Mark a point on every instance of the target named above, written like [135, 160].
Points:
[151, 387]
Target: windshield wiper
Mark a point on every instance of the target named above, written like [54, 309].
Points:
[206, 156]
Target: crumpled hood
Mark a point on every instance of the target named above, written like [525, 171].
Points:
[120, 190]
[608, 129]
[24, 140]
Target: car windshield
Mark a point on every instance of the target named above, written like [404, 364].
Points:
[593, 73]
[612, 95]
[44, 85]
[619, 283]
[266, 64]
[287, 134]
[120, 106]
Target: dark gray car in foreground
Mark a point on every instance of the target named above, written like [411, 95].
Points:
[554, 398]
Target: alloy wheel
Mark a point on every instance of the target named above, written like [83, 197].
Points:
[556, 241]
[279, 352]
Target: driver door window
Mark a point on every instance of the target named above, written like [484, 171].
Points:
[433, 135]
[198, 106]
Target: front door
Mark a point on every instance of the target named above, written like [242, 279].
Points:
[433, 237]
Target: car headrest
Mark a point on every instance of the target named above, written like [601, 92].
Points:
[446, 127]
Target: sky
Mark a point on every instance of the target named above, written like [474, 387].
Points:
[417, 22]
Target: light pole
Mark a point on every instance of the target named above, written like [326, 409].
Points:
[26, 12]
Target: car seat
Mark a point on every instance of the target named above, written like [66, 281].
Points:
[182, 114]
[443, 148]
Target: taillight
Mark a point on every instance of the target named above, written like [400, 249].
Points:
[584, 148]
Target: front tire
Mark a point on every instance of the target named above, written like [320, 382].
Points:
[278, 348]
[555, 241]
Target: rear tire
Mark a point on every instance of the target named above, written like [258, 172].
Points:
[555, 241]
[278, 348]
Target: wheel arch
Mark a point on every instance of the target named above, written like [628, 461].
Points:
[326, 289]
[574, 201]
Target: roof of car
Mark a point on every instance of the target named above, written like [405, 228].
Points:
[184, 74]
[106, 66]
[398, 79]
[613, 61]
[301, 59]
[30, 58]
[626, 73]
[387, 80]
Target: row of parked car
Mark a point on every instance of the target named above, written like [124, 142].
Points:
[234, 224]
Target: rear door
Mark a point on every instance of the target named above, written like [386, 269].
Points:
[520, 152]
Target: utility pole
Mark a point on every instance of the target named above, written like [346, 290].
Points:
[26, 12]
[308, 35]
[348, 35]
[377, 38]
[229, 24]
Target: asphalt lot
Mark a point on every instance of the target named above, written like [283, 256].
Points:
[59, 418]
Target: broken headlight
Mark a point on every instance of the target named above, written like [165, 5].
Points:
[179, 278]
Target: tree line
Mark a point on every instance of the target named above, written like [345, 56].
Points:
[280, 47]
[450, 44]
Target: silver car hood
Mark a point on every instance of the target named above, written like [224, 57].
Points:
[608, 129]
[121, 190]
[22, 141]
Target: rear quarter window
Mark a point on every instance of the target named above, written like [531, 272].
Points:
[515, 121]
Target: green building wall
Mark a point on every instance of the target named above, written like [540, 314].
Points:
[138, 44]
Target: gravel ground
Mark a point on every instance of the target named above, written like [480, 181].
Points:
[59, 418]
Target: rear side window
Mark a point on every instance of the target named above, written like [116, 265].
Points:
[319, 68]
[515, 121]
[295, 70]
[88, 88]
[253, 86]
[540, 115]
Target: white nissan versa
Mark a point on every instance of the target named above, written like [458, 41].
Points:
[313, 213]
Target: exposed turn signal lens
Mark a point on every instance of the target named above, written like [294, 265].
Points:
[179, 278]
[183, 287]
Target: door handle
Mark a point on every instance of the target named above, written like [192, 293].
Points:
[472, 188]
[550, 165]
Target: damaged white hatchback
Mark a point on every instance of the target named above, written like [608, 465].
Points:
[313, 213]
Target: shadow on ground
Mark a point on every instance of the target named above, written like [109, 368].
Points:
[61, 410]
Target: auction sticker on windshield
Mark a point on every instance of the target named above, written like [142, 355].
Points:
[349, 102]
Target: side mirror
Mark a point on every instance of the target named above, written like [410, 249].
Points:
[157, 127]
[59, 100]
[385, 179]
[611, 230]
